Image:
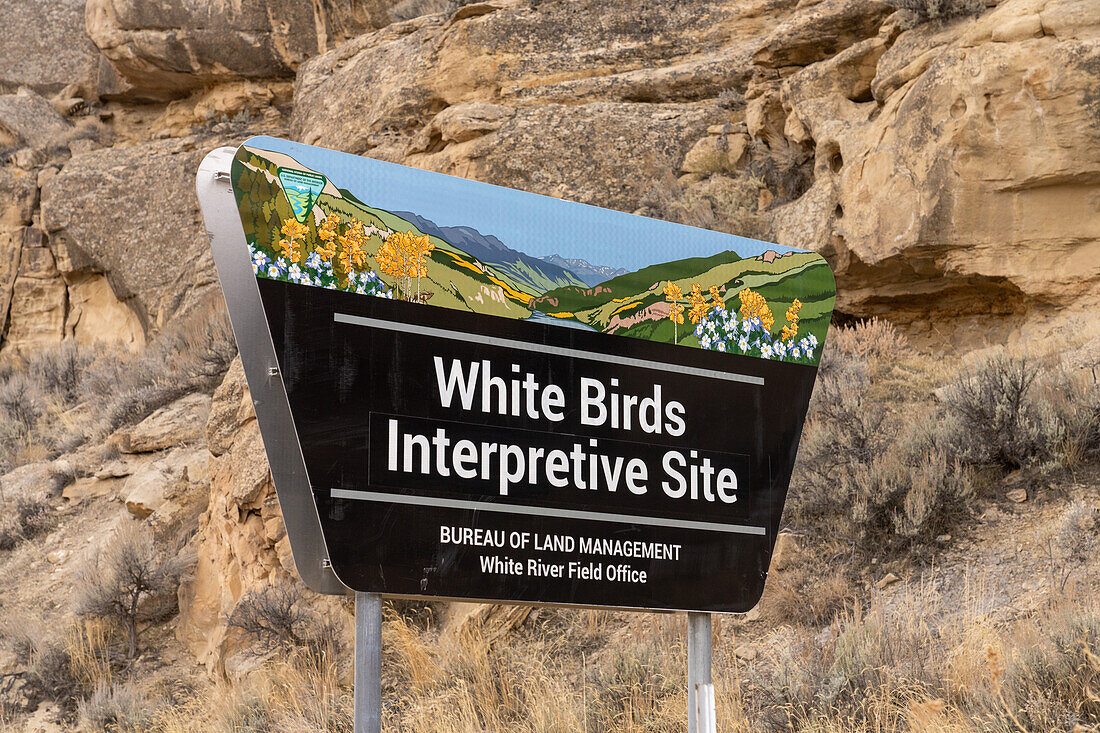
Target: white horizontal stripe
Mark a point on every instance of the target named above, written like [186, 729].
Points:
[542, 511]
[545, 349]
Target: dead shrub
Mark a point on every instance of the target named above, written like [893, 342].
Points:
[130, 581]
[924, 10]
[44, 659]
[631, 689]
[1071, 542]
[274, 618]
[809, 595]
[192, 356]
[1052, 681]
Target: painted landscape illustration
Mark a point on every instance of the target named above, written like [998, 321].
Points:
[301, 228]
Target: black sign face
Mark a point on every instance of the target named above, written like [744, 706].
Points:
[540, 437]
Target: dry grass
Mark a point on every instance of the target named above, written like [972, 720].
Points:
[63, 396]
[924, 665]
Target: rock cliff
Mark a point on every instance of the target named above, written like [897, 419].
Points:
[948, 169]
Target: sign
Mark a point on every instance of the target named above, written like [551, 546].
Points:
[473, 392]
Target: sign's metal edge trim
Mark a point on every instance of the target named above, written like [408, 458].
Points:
[242, 299]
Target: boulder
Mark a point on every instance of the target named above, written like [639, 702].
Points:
[823, 30]
[787, 552]
[230, 409]
[29, 120]
[130, 214]
[29, 480]
[161, 49]
[45, 47]
[179, 423]
[152, 485]
[18, 195]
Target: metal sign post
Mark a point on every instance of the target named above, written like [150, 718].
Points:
[368, 663]
[700, 690]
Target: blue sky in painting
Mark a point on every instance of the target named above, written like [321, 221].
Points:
[534, 224]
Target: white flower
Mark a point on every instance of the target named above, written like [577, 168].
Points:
[743, 344]
[766, 351]
[721, 345]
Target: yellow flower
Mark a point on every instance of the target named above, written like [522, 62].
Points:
[716, 298]
[293, 234]
[791, 329]
[353, 257]
[753, 305]
[673, 292]
[699, 305]
[676, 313]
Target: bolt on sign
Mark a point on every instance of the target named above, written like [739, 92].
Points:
[473, 392]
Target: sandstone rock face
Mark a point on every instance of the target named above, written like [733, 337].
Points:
[131, 214]
[38, 296]
[162, 49]
[821, 32]
[238, 534]
[96, 315]
[179, 423]
[45, 47]
[18, 195]
[526, 96]
[878, 142]
[971, 194]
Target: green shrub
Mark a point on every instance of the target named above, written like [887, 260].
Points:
[1053, 682]
[880, 472]
[1000, 419]
[118, 708]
